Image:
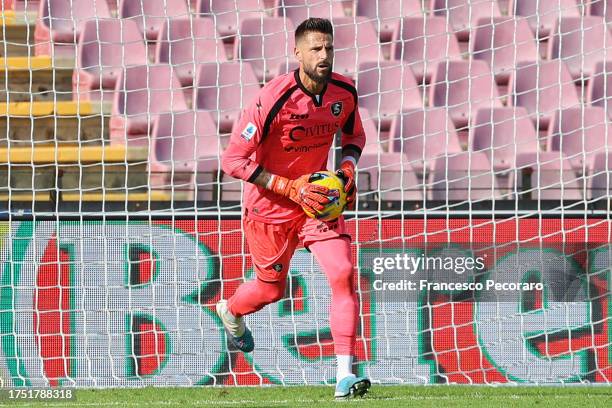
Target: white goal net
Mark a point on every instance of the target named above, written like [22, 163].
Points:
[488, 155]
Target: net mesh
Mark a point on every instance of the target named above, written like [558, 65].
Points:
[487, 127]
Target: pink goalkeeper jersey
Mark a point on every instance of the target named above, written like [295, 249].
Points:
[288, 131]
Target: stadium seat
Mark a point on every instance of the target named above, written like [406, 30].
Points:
[463, 176]
[265, 43]
[580, 42]
[185, 43]
[59, 22]
[224, 89]
[388, 13]
[464, 15]
[182, 142]
[141, 94]
[502, 42]
[600, 180]
[423, 136]
[299, 10]
[228, 15]
[502, 133]
[355, 42]
[422, 43]
[105, 47]
[231, 188]
[385, 88]
[580, 133]
[542, 87]
[374, 142]
[150, 15]
[287, 66]
[23, 5]
[602, 8]
[550, 174]
[600, 86]
[396, 177]
[462, 87]
[543, 14]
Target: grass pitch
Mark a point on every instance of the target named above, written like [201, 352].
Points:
[318, 397]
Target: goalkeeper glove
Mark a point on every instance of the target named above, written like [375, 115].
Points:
[311, 197]
[347, 173]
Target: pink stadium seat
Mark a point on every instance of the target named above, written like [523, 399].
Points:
[502, 133]
[150, 15]
[186, 43]
[182, 142]
[580, 133]
[224, 89]
[388, 13]
[600, 181]
[287, 66]
[602, 8]
[600, 86]
[581, 42]
[299, 10]
[463, 176]
[464, 15]
[422, 43]
[550, 174]
[22, 5]
[387, 176]
[374, 142]
[105, 47]
[423, 136]
[228, 14]
[265, 43]
[59, 22]
[355, 42]
[462, 87]
[141, 94]
[543, 14]
[385, 88]
[231, 188]
[542, 87]
[501, 43]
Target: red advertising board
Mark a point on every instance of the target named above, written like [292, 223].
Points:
[120, 303]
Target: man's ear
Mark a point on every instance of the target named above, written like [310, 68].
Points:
[297, 53]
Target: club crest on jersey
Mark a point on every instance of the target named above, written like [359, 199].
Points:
[249, 131]
[336, 108]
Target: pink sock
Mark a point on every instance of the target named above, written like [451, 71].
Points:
[334, 256]
[254, 295]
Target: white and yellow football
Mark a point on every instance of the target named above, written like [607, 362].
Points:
[337, 195]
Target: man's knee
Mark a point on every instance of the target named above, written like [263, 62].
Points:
[342, 275]
[273, 291]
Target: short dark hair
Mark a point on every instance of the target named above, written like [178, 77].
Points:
[319, 25]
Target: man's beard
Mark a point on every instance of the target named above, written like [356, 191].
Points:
[314, 76]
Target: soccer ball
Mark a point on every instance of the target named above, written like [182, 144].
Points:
[337, 195]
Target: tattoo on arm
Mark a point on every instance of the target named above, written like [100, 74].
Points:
[262, 179]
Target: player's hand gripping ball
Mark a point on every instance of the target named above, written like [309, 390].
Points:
[337, 196]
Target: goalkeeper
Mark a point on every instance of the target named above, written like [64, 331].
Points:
[282, 137]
